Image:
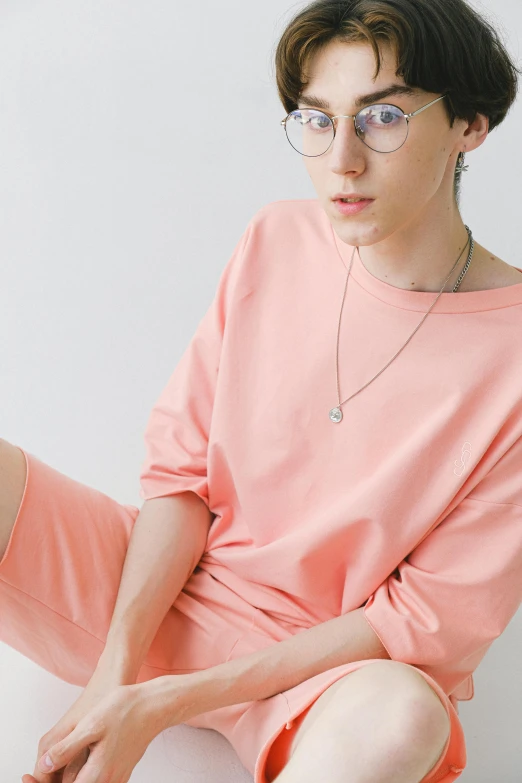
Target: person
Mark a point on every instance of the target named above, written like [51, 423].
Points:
[318, 589]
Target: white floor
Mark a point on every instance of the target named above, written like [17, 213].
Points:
[32, 701]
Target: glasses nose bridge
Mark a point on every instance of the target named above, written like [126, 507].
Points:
[352, 117]
[344, 117]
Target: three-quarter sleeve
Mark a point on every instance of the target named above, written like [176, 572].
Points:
[177, 431]
[457, 591]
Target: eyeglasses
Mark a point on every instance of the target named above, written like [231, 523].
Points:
[383, 127]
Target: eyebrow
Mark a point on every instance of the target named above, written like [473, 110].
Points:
[362, 100]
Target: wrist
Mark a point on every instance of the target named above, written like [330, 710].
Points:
[170, 699]
[117, 664]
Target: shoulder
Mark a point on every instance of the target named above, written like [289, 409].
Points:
[508, 274]
[490, 271]
[281, 238]
[289, 213]
[281, 227]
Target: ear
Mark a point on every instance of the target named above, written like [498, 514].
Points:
[476, 133]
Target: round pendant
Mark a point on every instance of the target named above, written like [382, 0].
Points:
[336, 415]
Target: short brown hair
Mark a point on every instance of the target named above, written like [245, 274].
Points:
[442, 46]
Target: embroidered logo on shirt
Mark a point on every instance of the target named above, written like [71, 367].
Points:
[466, 454]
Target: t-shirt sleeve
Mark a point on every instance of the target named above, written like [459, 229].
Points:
[177, 431]
[457, 591]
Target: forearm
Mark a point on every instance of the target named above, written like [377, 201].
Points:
[167, 542]
[273, 669]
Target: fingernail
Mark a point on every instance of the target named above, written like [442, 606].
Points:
[45, 763]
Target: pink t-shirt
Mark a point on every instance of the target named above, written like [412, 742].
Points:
[411, 506]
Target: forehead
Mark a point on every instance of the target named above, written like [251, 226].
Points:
[352, 60]
[342, 74]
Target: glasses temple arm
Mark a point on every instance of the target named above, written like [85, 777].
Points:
[413, 113]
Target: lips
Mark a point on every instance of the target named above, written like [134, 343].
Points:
[339, 196]
[352, 208]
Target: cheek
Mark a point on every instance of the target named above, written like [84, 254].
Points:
[316, 170]
[395, 183]
[410, 183]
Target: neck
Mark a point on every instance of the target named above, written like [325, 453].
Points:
[420, 257]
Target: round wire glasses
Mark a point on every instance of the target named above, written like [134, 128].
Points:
[383, 127]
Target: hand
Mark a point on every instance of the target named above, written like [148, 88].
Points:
[106, 677]
[115, 733]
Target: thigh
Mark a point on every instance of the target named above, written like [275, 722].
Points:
[60, 572]
[60, 576]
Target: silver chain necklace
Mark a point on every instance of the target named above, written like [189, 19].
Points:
[336, 414]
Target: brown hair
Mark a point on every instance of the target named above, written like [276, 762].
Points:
[442, 46]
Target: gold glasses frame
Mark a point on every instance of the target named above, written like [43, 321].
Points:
[354, 118]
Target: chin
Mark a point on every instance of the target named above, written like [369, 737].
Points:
[356, 236]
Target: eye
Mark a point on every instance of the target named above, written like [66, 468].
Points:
[386, 117]
[319, 121]
[312, 120]
[381, 115]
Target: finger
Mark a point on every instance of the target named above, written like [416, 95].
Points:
[42, 777]
[71, 773]
[72, 769]
[31, 779]
[63, 752]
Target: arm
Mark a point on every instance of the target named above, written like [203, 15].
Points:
[441, 609]
[166, 544]
[268, 671]
[170, 532]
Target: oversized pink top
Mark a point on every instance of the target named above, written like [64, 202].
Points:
[411, 506]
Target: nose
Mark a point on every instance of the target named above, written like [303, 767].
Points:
[347, 150]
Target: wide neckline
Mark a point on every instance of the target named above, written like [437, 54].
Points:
[449, 302]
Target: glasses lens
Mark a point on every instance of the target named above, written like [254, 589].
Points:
[309, 131]
[382, 127]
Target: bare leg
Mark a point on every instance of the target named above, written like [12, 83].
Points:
[369, 733]
[12, 482]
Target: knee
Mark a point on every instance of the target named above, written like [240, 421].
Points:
[7, 450]
[13, 475]
[12, 463]
[403, 689]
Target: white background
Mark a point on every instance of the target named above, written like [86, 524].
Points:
[118, 211]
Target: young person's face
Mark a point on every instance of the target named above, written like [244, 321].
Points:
[407, 184]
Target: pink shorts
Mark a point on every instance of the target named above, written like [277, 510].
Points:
[59, 580]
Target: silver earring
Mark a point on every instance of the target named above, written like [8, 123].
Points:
[460, 164]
